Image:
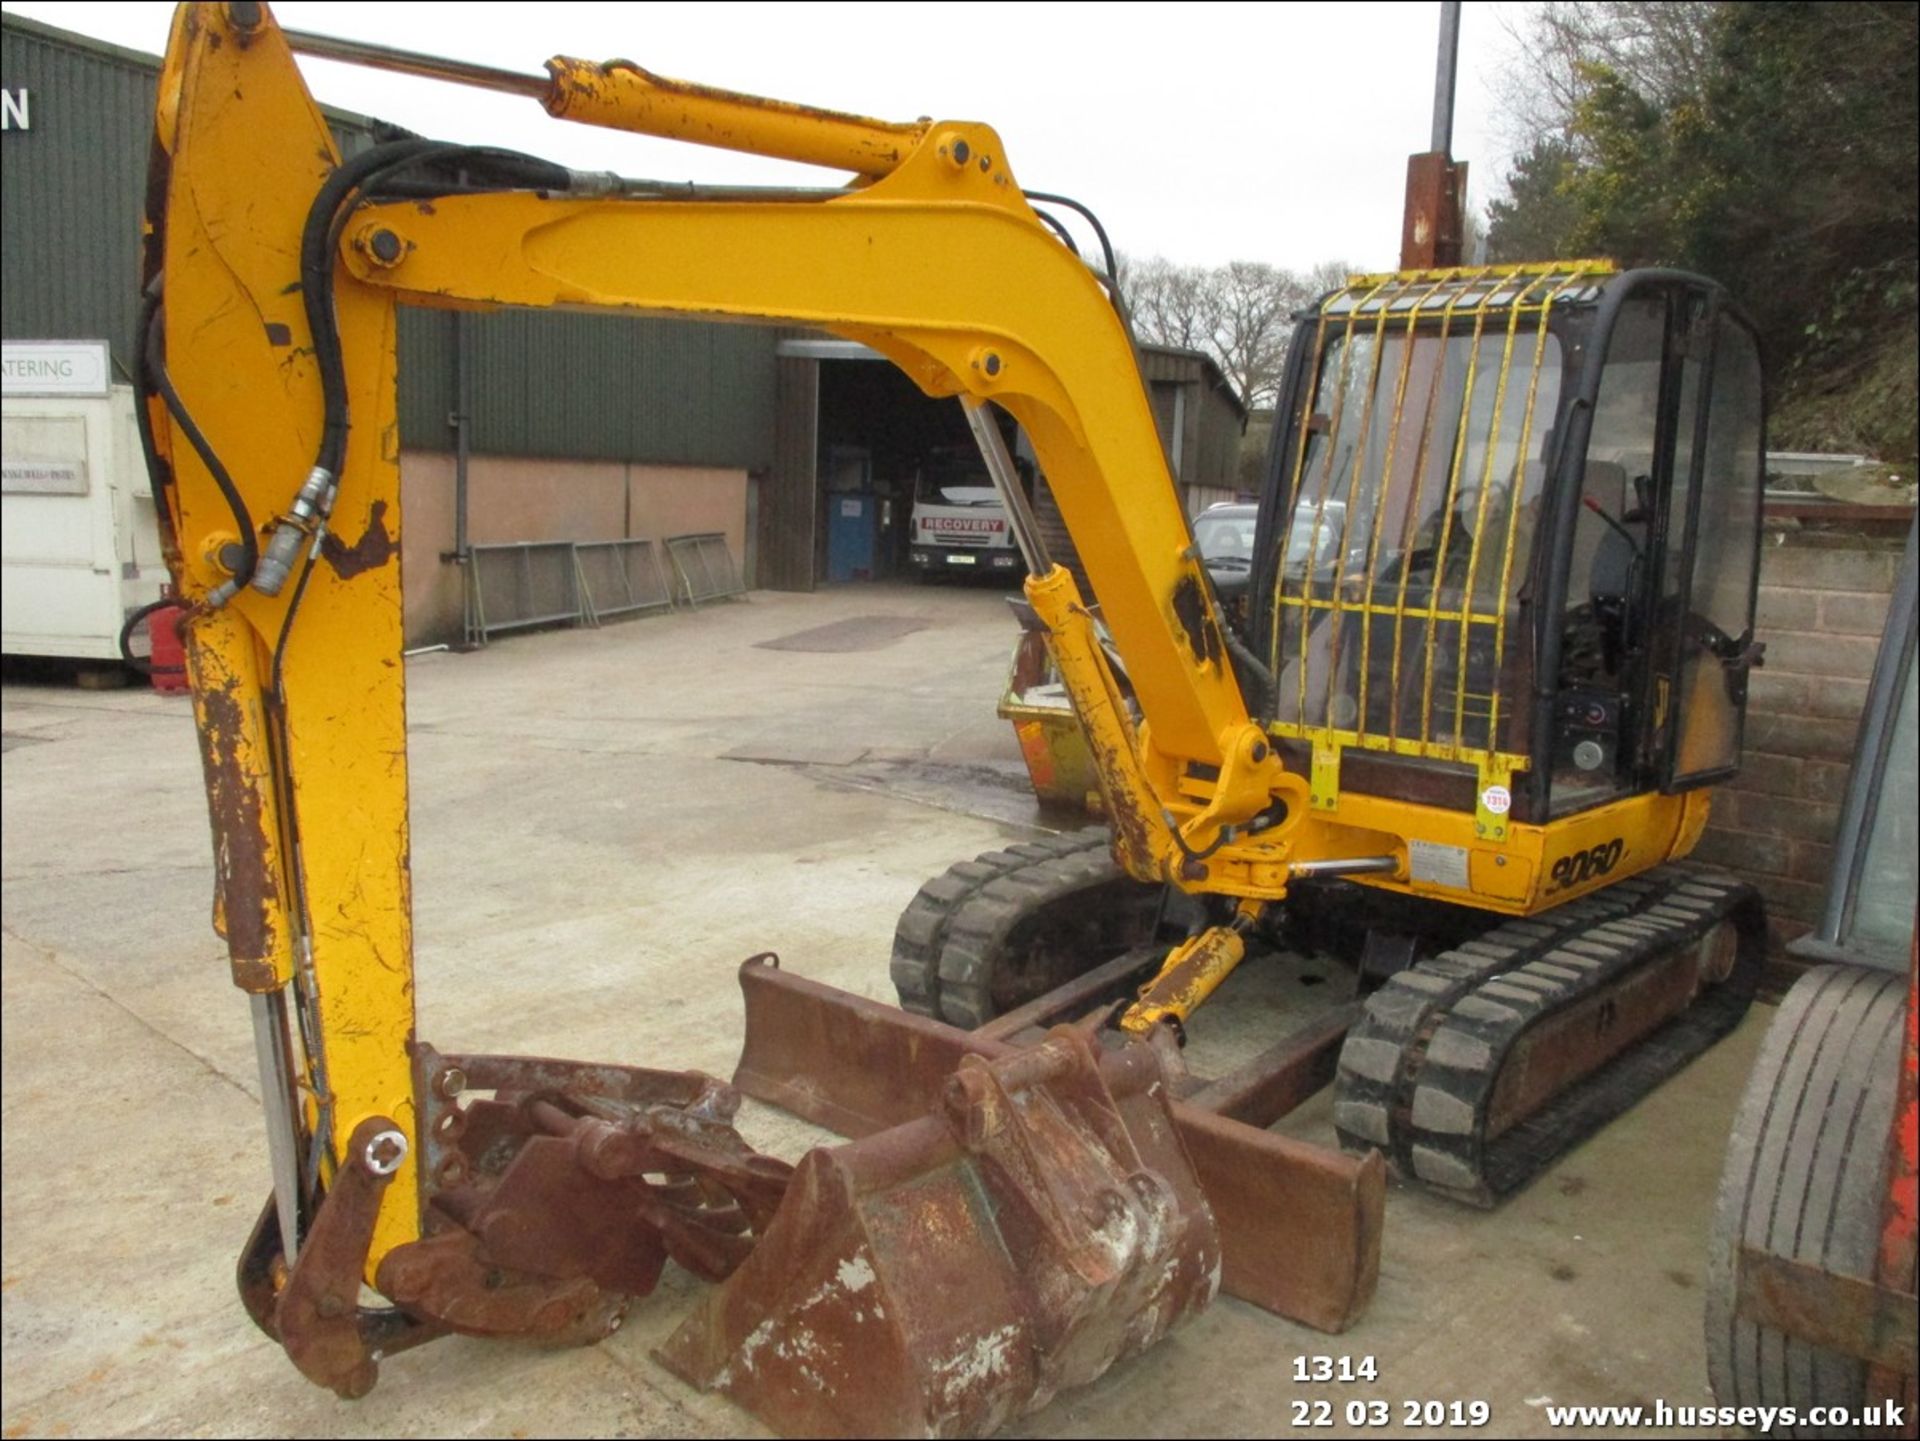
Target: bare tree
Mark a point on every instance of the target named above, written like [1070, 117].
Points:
[1253, 307]
[1240, 314]
[1329, 275]
[1473, 237]
[1660, 48]
[1171, 303]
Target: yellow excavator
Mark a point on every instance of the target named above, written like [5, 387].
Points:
[1501, 620]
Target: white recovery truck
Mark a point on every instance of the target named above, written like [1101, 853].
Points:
[959, 525]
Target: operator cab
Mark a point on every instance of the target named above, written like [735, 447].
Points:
[1510, 535]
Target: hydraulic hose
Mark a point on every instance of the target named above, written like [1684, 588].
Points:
[156, 374]
[319, 241]
[134, 617]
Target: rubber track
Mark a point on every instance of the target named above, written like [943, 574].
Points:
[1419, 1069]
[921, 934]
[981, 927]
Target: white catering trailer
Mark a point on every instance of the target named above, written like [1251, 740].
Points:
[79, 542]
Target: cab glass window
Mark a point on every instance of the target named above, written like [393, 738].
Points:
[1592, 748]
[1717, 627]
[1412, 530]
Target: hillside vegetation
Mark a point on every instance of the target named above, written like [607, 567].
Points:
[1773, 146]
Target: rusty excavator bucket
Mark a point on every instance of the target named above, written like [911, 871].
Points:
[1015, 1217]
[946, 1275]
[1298, 1224]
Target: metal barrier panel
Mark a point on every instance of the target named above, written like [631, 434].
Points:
[705, 566]
[621, 577]
[522, 584]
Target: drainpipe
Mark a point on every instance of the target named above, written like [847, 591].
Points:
[460, 420]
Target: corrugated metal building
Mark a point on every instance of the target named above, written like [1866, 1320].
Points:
[1201, 420]
[582, 427]
[832, 401]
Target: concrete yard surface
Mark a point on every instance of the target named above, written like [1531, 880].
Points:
[604, 823]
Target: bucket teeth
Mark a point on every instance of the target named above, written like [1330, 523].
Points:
[954, 1272]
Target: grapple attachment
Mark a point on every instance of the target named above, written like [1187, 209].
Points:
[553, 1201]
[946, 1275]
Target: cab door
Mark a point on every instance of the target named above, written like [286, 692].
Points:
[1704, 648]
[1603, 733]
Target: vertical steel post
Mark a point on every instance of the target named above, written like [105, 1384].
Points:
[1436, 184]
[1446, 71]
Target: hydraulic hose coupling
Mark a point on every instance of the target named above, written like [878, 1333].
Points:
[595, 184]
[309, 508]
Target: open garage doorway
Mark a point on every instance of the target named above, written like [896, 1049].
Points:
[902, 492]
[854, 439]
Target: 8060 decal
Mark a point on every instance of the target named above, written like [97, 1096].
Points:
[1583, 866]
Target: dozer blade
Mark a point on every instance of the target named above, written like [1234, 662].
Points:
[946, 1275]
[1299, 1224]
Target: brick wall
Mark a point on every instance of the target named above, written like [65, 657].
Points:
[1823, 601]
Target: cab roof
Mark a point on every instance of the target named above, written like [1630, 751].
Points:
[1468, 290]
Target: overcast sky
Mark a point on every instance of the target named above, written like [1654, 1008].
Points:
[1205, 133]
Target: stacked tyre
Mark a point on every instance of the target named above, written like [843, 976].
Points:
[1805, 1180]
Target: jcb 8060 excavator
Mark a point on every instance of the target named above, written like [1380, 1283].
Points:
[1500, 631]
[1501, 618]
